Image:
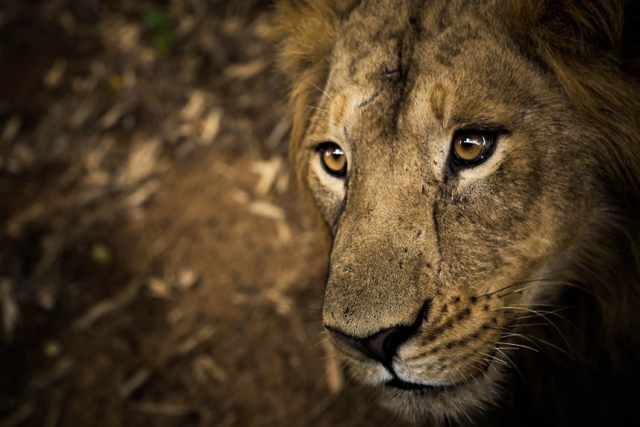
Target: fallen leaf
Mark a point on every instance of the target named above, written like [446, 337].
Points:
[159, 288]
[267, 210]
[53, 77]
[195, 106]
[189, 344]
[167, 409]
[246, 71]
[11, 129]
[107, 306]
[210, 127]
[268, 171]
[205, 367]
[136, 381]
[10, 311]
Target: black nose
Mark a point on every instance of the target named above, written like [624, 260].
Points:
[384, 344]
[381, 346]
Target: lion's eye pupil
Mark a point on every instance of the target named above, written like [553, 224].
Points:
[471, 147]
[333, 159]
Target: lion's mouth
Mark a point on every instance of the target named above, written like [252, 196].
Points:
[404, 385]
[399, 384]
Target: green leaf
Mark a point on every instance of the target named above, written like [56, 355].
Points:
[101, 254]
[163, 41]
[157, 20]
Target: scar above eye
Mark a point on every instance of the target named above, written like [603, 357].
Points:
[369, 101]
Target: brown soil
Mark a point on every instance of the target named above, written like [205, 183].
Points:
[157, 266]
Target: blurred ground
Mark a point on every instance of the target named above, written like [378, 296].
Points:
[157, 267]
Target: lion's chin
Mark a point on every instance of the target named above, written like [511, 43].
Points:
[440, 403]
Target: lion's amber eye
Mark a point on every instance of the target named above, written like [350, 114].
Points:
[333, 159]
[470, 147]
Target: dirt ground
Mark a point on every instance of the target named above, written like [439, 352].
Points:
[157, 265]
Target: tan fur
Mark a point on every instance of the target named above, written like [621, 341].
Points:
[524, 268]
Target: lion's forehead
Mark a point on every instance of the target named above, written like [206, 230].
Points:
[422, 70]
[383, 37]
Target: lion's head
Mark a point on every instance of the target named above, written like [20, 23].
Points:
[476, 166]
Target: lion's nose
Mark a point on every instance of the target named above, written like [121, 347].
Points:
[381, 346]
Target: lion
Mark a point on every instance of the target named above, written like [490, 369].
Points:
[476, 168]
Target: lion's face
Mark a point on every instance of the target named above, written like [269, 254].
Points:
[453, 177]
